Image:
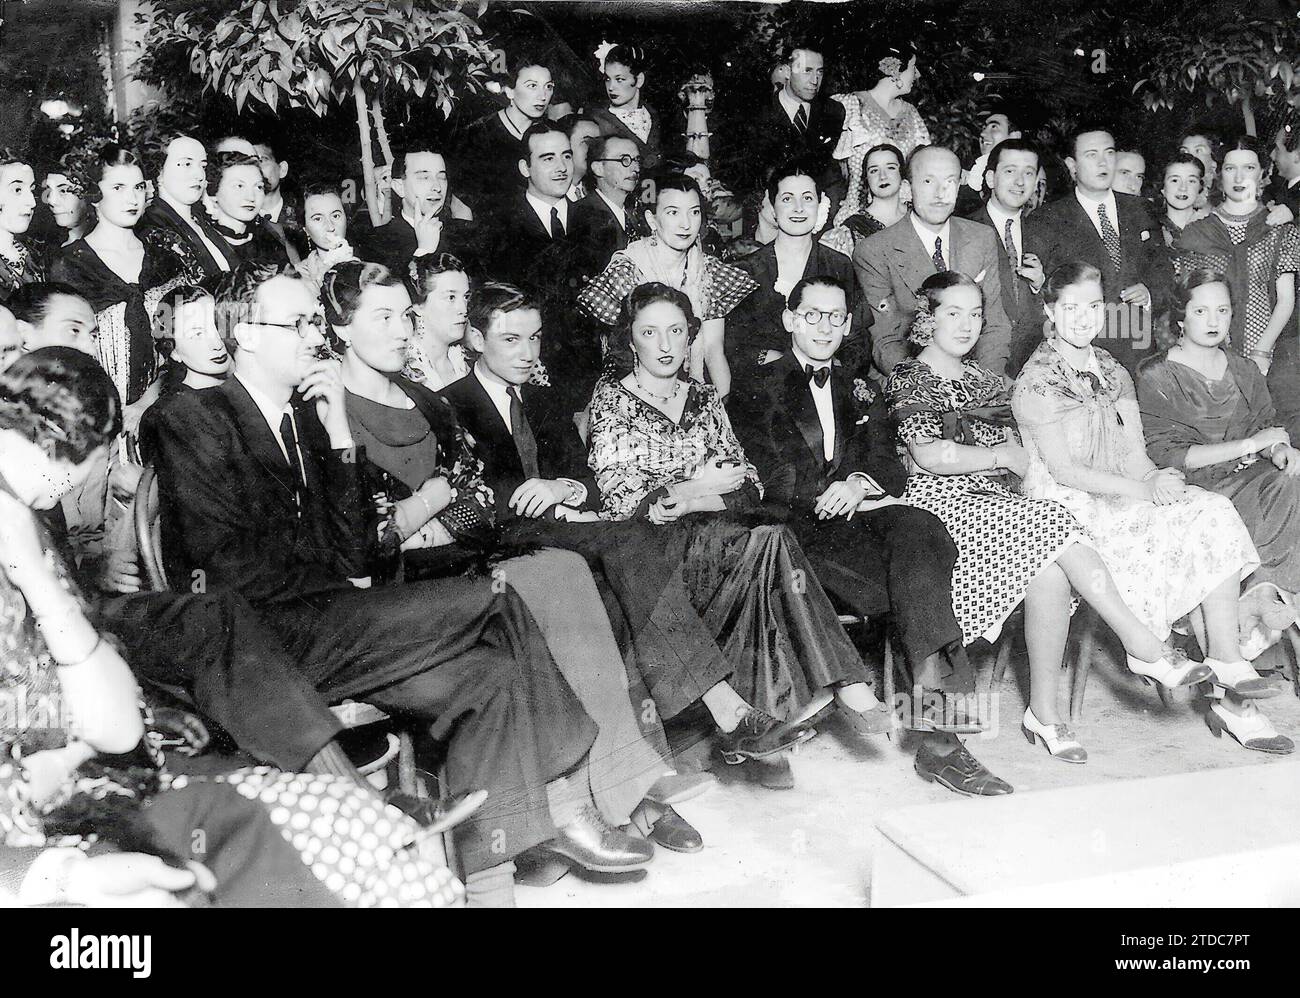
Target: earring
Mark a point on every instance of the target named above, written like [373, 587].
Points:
[654, 239]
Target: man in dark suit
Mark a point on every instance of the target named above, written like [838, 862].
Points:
[536, 465]
[1114, 233]
[615, 166]
[541, 241]
[171, 218]
[423, 222]
[260, 492]
[798, 120]
[824, 448]
[754, 335]
[892, 264]
[1008, 183]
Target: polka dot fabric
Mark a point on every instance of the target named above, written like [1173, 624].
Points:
[358, 848]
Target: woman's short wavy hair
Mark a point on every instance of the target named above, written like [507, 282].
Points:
[1189, 282]
[91, 171]
[644, 295]
[929, 298]
[62, 400]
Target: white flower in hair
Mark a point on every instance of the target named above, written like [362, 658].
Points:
[602, 53]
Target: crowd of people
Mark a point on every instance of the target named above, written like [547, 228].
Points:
[545, 470]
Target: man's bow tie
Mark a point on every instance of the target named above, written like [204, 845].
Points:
[818, 375]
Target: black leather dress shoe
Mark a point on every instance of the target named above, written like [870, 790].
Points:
[674, 832]
[942, 711]
[760, 735]
[960, 772]
[595, 845]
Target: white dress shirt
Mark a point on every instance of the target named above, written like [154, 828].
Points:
[1090, 206]
[616, 209]
[187, 214]
[499, 393]
[927, 239]
[273, 414]
[543, 211]
[822, 401]
[999, 218]
[791, 106]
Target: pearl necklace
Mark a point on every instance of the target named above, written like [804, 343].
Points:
[677, 387]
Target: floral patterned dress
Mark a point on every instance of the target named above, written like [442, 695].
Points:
[1004, 539]
[1165, 559]
[268, 836]
[783, 641]
[865, 125]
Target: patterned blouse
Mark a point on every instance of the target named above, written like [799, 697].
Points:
[865, 125]
[1253, 255]
[29, 268]
[925, 407]
[636, 449]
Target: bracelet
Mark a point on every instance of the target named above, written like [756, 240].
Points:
[427, 506]
[1266, 354]
[99, 640]
[996, 461]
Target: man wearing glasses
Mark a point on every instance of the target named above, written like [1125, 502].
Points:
[261, 493]
[821, 440]
[615, 166]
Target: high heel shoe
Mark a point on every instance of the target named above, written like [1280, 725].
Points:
[1251, 730]
[1058, 739]
[1241, 679]
[1171, 671]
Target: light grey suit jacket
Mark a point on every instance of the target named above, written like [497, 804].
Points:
[892, 264]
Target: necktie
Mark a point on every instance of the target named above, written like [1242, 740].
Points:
[525, 442]
[818, 375]
[1111, 238]
[290, 440]
[1009, 241]
[557, 228]
[938, 255]
[801, 121]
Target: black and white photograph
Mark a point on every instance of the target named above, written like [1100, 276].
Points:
[652, 454]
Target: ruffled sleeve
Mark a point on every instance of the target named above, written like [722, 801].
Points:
[852, 118]
[728, 287]
[603, 296]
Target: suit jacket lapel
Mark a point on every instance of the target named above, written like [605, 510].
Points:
[534, 224]
[494, 439]
[262, 445]
[842, 406]
[916, 262]
[799, 404]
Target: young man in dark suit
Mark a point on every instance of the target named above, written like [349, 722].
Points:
[1009, 182]
[261, 495]
[423, 222]
[171, 218]
[1114, 233]
[825, 450]
[798, 120]
[536, 464]
[541, 241]
[754, 335]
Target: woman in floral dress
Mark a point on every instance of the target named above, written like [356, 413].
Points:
[1173, 550]
[959, 442]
